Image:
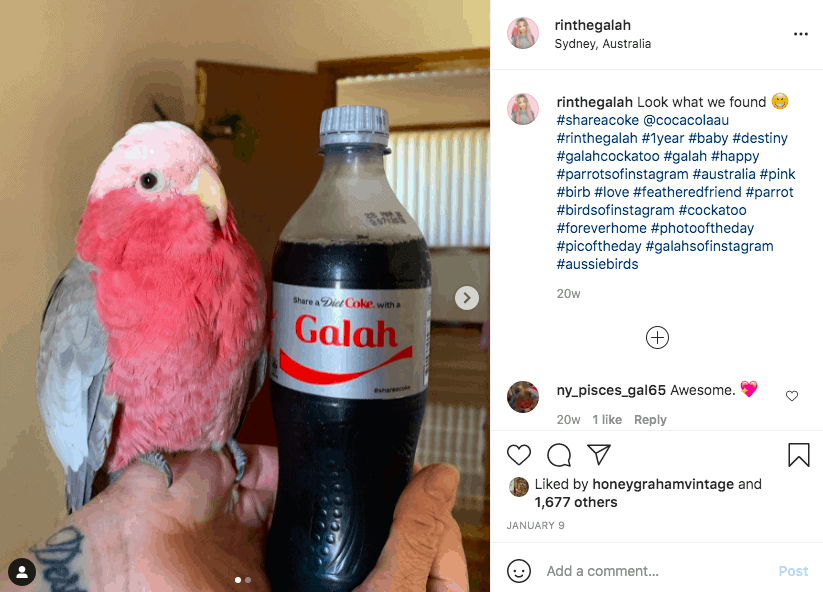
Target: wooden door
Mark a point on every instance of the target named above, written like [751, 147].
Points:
[284, 108]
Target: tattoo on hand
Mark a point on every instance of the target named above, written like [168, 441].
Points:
[56, 555]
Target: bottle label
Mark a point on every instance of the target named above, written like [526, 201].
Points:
[352, 344]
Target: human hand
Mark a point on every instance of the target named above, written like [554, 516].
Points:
[138, 535]
[203, 532]
[425, 548]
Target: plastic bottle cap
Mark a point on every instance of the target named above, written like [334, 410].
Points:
[354, 124]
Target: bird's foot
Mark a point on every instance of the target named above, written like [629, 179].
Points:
[239, 458]
[157, 461]
[153, 459]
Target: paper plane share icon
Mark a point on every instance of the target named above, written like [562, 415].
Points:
[600, 451]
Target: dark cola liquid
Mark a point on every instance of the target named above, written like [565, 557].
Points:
[342, 463]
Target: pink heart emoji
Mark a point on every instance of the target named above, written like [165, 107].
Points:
[748, 387]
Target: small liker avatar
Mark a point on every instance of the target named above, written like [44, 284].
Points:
[522, 396]
[519, 487]
[523, 34]
[522, 112]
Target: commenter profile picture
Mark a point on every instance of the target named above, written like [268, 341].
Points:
[522, 396]
[523, 109]
[523, 33]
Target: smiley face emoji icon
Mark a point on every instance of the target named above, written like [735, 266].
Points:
[780, 101]
[519, 571]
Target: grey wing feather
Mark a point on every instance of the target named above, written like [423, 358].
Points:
[261, 367]
[256, 380]
[71, 375]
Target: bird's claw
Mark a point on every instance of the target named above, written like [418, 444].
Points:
[153, 459]
[239, 458]
[157, 461]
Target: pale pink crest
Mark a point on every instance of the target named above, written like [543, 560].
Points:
[166, 146]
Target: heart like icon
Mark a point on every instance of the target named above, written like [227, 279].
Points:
[791, 395]
[748, 387]
[519, 454]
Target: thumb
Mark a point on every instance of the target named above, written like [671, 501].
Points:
[421, 520]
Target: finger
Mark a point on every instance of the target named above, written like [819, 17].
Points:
[203, 485]
[212, 475]
[416, 468]
[211, 466]
[449, 572]
[420, 521]
[261, 468]
[139, 476]
[138, 483]
[255, 500]
[195, 495]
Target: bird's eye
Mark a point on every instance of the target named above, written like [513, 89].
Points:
[151, 181]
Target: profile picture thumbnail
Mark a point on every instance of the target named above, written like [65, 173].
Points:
[523, 109]
[518, 487]
[523, 33]
[522, 396]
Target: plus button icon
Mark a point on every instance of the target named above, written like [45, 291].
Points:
[657, 337]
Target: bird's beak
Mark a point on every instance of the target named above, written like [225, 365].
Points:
[209, 190]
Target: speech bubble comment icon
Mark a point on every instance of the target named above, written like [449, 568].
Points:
[560, 456]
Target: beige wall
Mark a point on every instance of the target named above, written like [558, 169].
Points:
[75, 75]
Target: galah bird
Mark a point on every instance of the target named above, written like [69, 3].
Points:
[154, 330]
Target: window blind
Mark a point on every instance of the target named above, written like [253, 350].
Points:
[442, 179]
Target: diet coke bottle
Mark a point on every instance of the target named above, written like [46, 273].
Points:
[349, 364]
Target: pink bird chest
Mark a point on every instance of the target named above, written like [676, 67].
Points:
[182, 339]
